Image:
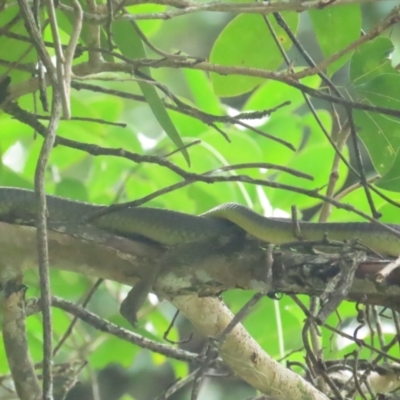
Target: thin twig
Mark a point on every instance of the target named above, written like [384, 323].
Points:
[75, 319]
[43, 251]
[60, 60]
[69, 55]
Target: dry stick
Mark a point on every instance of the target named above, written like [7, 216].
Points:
[330, 190]
[387, 270]
[179, 149]
[43, 255]
[69, 55]
[87, 119]
[154, 48]
[395, 340]
[15, 341]
[379, 329]
[6, 28]
[390, 20]
[311, 356]
[39, 186]
[108, 26]
[60, 60]
[190, 7]
[124, 334]
[289, 79]
[240, 315]
[314, 359]
[209, 355]
[36, 37]
[181, 383]
[363, 179]
[356, 376]
[75, 319]
[41, 71]
[93, 36]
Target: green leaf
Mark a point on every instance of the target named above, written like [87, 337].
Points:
[123, 353]
[335, 28]
[246, 42]
[130, 45]
[314, 160]
[391, 180]
[359, 200]
[202, 91]
[72, 189]
[377, 83]
[390, 213]
[370, 60]
[13, 50]
[150, 26]
[10, 178]
[273, 93]
[381, 137]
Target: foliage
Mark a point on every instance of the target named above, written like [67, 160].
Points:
[185, 100]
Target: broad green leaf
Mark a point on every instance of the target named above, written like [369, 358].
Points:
[72, 189]
[273, 93]
[382, 90]
[241, 149]
[202, 91]
[123, 353]
[247, 42]
[390, 213]
[285, 126]
[13, 50]
[359, 200]
[391, 180]
[377, 83]
[106, 177]
[189, 126]
[381, 137]
[130, 45]
[4, 367]
[314, 160]
[370, 60]
[283, 123]
[314, 131]
[335, 28]
[68, 284]
[10, 178]
[151, 26]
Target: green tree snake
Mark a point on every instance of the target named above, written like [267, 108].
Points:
[171, 227]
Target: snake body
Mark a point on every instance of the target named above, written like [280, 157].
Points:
[171, 227]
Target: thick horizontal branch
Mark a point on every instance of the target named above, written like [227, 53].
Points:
[206, 268]
[192, 270]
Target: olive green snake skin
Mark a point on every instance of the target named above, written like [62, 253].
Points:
[171, 227]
